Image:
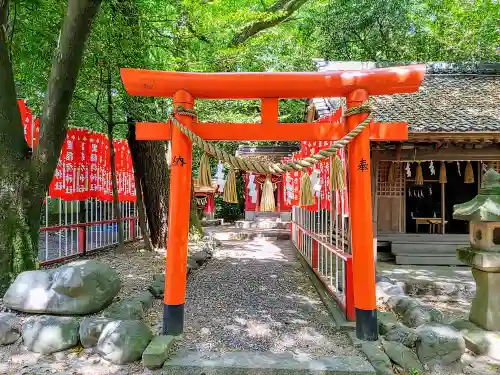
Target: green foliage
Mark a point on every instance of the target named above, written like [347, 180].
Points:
[410, 30]
[231, 211]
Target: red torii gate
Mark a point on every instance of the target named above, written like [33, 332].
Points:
[356, 86]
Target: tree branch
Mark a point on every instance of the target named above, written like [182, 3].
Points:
[201, 37]
[4, 12]
[94, 106]
[280, 11]
[13, 147]
[65, 67]
[13, 30]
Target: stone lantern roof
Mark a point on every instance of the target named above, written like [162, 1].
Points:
[486, 205]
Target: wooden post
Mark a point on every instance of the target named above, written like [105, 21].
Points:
[443, 209]
[361, 224]
[178, 221]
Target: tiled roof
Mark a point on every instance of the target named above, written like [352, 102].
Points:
[266, 154]
[452, 98]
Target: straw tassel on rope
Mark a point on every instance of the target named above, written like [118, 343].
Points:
[419, 176]
[204, 175]
[391, 176]
[469, 174]
[267, 203]
[337, 174]
[306, 191]
[230, 195]
[442, 173]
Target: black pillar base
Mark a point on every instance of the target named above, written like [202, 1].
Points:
[366, 325]
[173, 319]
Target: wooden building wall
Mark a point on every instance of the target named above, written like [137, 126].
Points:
[390, 205]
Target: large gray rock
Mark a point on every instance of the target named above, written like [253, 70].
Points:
[403, 356]
[126, 309]
[192, 264]
[377, 357]
[439, 344]
[201, 257]
[124, 341]
[404, 335]
[418, 315]
[9, 328]
[157, 351]
[387, 321]
[91, 329]
[386, 288]
[77, 288]
[400, 304]
[49, 334]
[146, 299]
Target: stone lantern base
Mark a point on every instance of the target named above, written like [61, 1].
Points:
[485, 308]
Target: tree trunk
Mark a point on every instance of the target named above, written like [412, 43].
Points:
[116, 198]
[24, 179]
[138, 177]
[151, 163]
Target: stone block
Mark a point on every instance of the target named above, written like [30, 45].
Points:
[157, 351]
[485, 308]
[403, 356]
[378, 358]
[478, 340]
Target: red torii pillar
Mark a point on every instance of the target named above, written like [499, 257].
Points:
[357, 86]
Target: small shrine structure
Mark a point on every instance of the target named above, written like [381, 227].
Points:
[254, 207]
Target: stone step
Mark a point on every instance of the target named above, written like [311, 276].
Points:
[262, 224]
[212, 222]
[278, 235]
[429, 259]
[263, 363]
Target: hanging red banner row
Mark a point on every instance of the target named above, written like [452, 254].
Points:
[84, 170]
[323, 196]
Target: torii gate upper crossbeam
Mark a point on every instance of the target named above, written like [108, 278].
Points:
[356, 86]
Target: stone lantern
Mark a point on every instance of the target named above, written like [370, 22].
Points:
[483, 213]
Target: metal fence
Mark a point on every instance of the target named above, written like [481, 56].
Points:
[322, 238]
[73, 228]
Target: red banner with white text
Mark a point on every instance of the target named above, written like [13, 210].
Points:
[84, 170]
[321, 178]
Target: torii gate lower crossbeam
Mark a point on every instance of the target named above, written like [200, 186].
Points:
[356, 86]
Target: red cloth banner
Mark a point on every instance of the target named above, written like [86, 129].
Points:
[309, 148]
[84, 170]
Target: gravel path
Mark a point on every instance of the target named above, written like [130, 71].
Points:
[254, 296]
